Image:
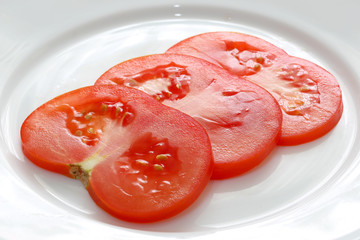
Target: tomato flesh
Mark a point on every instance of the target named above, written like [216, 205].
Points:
[140, 160]
[242, 119]
[309, 96]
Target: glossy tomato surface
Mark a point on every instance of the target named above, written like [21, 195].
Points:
[309, 96]
[140, 160]
[242, 119]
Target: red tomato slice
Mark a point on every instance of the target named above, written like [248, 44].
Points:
[242, 119]
[309, 96]
[140, 160]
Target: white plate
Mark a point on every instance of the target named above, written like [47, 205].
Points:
[311, 191]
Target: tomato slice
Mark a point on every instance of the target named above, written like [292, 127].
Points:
[309, 96]
[242, 119]
[140, 160]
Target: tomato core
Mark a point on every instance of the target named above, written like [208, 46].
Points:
[162, 82]
[301, 90]
[250, 58]
[87, 122]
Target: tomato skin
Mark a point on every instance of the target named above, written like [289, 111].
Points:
[178, 143]
[242, 119]
[260, 62]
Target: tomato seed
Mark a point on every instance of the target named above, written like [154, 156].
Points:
[133, 82]
[91, 130]
[104, 107]
[161, 157]
[78, 133]
[88, 116]
[260, 60]
[304, 89]
[142, 162]
[158, 167]
[118, 110]
[257, 67]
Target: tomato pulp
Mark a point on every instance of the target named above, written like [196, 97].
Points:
[309, 96]
[242, 119]
[140, 160]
